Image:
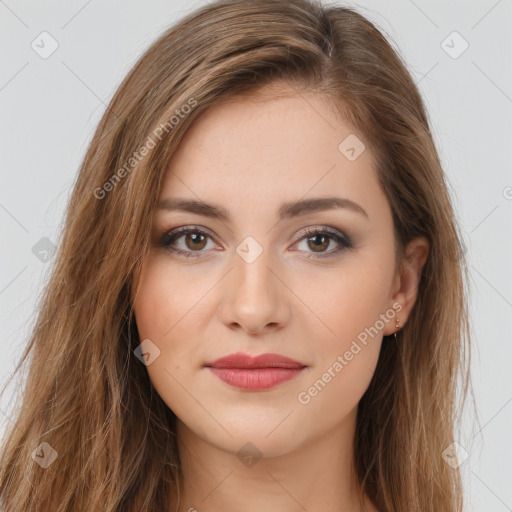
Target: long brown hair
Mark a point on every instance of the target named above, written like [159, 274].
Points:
[88, 405]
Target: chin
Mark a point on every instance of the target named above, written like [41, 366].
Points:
[265, 434]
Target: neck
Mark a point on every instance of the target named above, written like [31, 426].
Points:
[317, 475]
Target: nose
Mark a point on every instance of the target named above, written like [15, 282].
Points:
[253, 297]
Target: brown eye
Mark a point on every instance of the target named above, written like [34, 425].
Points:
[318, 243]
[195, 241]
[318, 240]
[187, 241]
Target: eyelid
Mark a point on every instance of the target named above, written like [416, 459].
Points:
[175, 233]
[343, 240]
[322, 228]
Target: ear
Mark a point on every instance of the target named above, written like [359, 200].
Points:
[405, 285]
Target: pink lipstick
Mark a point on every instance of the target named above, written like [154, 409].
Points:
[255, 373]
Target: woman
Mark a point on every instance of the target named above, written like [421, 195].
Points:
[259, 297]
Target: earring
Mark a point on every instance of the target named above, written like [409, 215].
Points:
[397, 327]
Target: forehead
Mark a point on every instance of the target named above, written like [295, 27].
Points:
[278, 127]
[269, 148]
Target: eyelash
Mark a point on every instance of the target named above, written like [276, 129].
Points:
[170, 237]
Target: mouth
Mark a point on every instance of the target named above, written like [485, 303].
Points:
[247, 372]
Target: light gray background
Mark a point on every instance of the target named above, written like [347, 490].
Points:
[50, 107]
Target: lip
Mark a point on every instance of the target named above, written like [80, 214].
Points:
[254, 373]
[246, 361]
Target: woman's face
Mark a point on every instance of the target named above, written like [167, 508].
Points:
[252, 276]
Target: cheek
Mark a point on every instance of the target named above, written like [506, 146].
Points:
[349, 303]
[168, 312]
[165, 298]
[346, 361]
[350, 308]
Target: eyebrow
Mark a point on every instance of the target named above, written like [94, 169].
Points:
[286, 210]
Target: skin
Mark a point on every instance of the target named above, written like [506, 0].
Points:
[250, 155]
